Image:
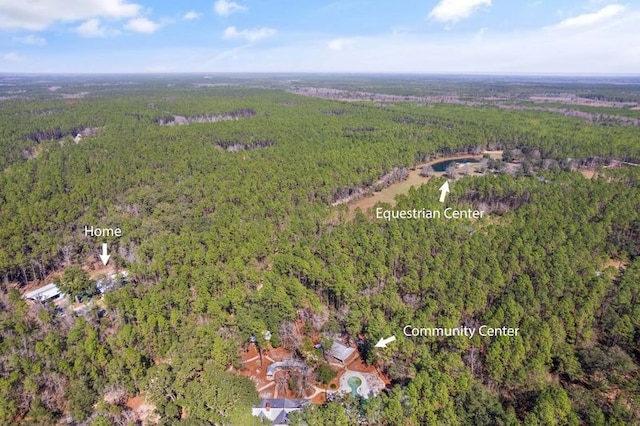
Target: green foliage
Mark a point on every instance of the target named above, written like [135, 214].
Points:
[75, 282]
[224, 245]
[479, 407]
[552, 407]
[325, 373]
[100, 421]
[81, 398]
[329, 414]
[218, 397]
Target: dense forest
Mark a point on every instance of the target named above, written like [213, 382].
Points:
[228, 230]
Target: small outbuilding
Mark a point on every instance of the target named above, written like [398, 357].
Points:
[341, 352]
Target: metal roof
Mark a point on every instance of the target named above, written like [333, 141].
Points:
[280, 403]
[283, 364]
[47, 292]
[340, 351]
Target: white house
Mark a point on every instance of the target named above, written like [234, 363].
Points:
[112, 282]
[277, 410]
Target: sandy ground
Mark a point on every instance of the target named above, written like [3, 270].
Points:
[256, 370]
[588, 173]
[143, 410]
[496, 155]
[615, 263]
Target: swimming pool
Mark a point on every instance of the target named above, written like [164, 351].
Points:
[354, 383]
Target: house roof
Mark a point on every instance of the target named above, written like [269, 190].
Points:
[280, 403]
[112, 281]
[279, 409]
[281, 419]
[43, 293]
[340, 351]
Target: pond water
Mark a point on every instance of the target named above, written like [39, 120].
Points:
[354, 383]
[441, 166]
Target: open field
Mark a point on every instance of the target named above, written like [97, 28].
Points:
[387, 195]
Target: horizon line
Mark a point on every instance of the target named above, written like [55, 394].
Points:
[329, 73]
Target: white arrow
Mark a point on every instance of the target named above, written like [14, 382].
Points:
[104, 256]
[443, 190]
[382, 343]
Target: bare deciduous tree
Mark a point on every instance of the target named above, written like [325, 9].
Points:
[451, 170]
[289, 336]
[282, 384]
[115, 395]
[426, 171]
[52, 391]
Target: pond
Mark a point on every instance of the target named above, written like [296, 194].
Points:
[441, 166]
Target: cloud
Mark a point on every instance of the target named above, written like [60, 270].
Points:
[336, 44]
[480, 34]
[39, 14]
[339, 44]
[590, 19]
[91, 28]
[12, 57]
[226, 8]
[30, 39]
[252, 35]
[612, 47]
[452, 11]
[231, 54]
[142, 25]
[191, 15]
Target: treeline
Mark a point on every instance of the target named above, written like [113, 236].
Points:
[395, 175]
[237, 145]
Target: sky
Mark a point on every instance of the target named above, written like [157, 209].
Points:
[585, 37]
